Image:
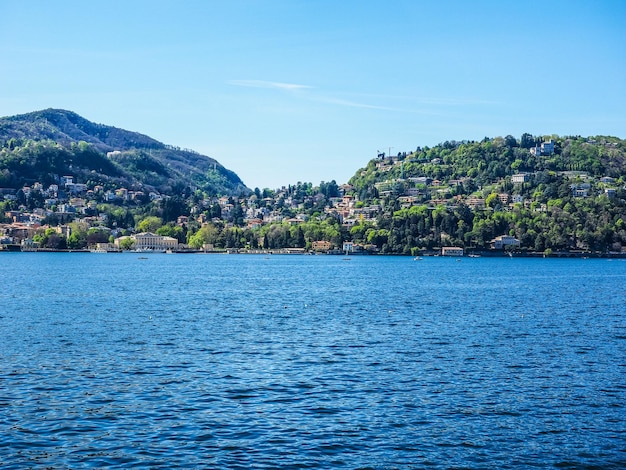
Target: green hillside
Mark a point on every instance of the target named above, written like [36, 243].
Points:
[491, 160]
[549, 193]
[43, 145]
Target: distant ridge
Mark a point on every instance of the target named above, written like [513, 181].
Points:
[137, 159]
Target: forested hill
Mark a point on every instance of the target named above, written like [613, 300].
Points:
[548, 192]
[42, 145]
[492, 160]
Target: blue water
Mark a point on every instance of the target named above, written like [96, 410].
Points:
[245, 361]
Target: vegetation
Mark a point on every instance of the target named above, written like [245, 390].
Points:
[44, 145]
[551, 213]
[547, 193]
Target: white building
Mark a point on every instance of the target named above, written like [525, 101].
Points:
[503, 241]
[149, 242]
[520, 178]
[451, 251]
[546, 148]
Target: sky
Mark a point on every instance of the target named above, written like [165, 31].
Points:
[287, 91]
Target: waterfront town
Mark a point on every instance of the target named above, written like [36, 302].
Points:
[71, 215]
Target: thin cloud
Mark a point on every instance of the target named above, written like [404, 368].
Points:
[272, 85]
[363, 105]
[415, 103]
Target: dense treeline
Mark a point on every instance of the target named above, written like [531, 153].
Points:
[269, 237]
[570, 224]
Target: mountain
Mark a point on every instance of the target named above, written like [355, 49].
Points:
[43, 145]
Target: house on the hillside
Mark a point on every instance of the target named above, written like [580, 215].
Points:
[520, 178]
[503, 241]
[475, 203]
[580, 189]
[546, 148]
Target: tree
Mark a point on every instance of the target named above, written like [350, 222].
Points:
[491, 200]
[174, 231]
[208, 234]
[150, 224]
[510, 141]
[173, 207]
[127, 243]
[57, 242]
[77, 240]
[237, 214]
[299, 238]
[95, 236]
[78, 235]
[329, 189]
[527, 141]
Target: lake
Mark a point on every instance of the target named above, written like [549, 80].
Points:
[286, 361]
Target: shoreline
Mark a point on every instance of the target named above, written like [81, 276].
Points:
[287, 251]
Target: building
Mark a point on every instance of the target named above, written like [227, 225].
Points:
[451, 251]
[254, 222]
[546, 148]
[475, 203]
[580, 189]
[519, 178]
[321, 245]
[147, 241]
[76, 188]
[503, 241]
[413, 192]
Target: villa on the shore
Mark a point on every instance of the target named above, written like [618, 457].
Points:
[149, 241]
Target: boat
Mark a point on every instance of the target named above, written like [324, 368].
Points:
[147, 250]
[418, 258]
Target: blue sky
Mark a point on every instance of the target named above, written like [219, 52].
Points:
[309, 90]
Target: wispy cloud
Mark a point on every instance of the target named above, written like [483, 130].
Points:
[382, 102]
[322, 98]
[267, 84]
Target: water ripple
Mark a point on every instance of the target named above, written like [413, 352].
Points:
[307, 362]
